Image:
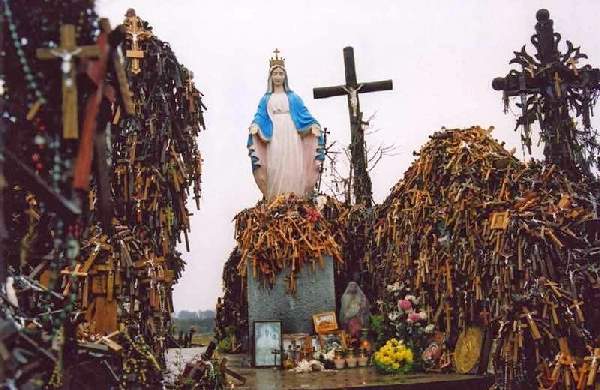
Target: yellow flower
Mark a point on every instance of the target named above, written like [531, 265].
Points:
[395, 366]
[409, 356]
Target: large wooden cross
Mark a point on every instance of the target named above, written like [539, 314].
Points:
[67, 51]
[362, 181]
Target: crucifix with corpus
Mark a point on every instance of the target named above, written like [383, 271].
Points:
[362, 182]
[136, 32]
[67, 51]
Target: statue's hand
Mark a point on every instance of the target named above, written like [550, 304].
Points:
[253, 128]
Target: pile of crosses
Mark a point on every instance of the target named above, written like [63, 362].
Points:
[289, 232]
[231, 322]
[89, 258]
[487, 241]
[286, 232]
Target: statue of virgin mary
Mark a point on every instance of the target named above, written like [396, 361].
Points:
[285, 144]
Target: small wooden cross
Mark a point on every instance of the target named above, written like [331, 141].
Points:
[527, 315]
[67, 50]
[133, 27]
[448, 315]
[576, 305]
[593, 366]
[77, 272]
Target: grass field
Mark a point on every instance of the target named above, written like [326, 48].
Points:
[202, 339]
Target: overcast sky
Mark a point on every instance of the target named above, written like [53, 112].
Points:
[441, 55]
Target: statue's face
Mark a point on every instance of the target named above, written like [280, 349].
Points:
[278, 77]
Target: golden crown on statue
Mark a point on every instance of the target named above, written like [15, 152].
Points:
[276, 61]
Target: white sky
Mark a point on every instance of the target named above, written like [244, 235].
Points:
[442, 57]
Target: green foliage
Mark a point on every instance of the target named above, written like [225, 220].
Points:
[378, 330]
[205, 325]
[224, 345]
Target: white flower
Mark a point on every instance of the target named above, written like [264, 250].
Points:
[393, 287]
[429, 328]
[393, 316]
[411, 298]
[423, 315]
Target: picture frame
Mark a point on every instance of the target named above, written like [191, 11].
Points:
[291, 340]
[325, 322]
[268, 344]
[499, 220]
[333, 339]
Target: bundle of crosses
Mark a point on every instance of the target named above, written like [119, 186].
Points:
[289, 232]
[91, 257]
[484, 240]
[126, 273]
[231, 322]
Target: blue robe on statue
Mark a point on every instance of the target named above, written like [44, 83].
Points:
[303, 121]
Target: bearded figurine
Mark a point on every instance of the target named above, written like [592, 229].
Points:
[354, 312]
[285, 144]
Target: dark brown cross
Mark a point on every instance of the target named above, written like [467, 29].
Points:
[362, 182]
[548, 86]
[67, 51]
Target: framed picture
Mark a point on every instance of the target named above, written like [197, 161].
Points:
[292, 340]
[325, 322]
[267, 343]
[332, 340]
[499, 220]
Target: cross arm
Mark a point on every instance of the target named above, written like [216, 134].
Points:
[325, 92]
[89, 51]
[340, 90]
[589, 78]
[45, 54]
[374, 86]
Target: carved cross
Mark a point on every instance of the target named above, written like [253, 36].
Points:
[133, 28]
[67, 51]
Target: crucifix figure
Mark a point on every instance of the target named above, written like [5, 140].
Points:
[67, 51]
[548, 87]
[362, 182]
[136, 31]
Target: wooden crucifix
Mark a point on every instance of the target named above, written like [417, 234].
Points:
[362, 181]
[136, 31]
[67, 50]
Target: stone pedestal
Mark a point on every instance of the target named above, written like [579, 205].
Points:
[315, 293]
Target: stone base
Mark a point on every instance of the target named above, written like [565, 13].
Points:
[315, 293]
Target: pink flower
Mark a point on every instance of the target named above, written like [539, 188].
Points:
[404, 304]
[414, 317]
[313, 215]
